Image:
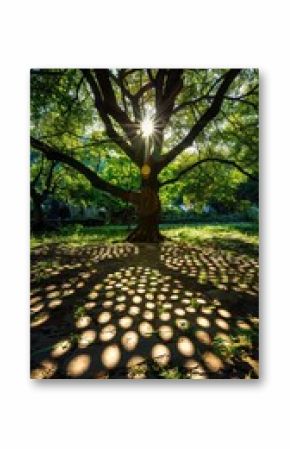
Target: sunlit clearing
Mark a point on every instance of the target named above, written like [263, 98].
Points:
[147, 127]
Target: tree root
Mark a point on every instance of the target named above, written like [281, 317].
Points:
[145, 234]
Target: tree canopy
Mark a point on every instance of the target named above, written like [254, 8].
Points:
[204, 140]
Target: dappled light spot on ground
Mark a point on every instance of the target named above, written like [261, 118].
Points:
[39, 319]
[54, 303]
[185, 346]
[154, 314]
[37, 307]
[61, 348]
[165, 332]
[53, 294]
[35, 299]
[208, 266]
[78, 365]
[148, 315]
[134, 310]
[243, 325]
[203, 337]
[120, 308]
[104, 317]
[206, 310]
[179, 312]
[224, 313]
[195, 369]
[83, 321]
[161, 354]
[137, 299]
[46, 370]
[145, 329]
[87, 338]
[213, 362]
[125, 322]
[222, 324]
[111, 356]
[130, 340]
[202, 321]
[90, 305]
[108, 304]
[108, 332]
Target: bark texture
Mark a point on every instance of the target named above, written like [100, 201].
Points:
[148, 210]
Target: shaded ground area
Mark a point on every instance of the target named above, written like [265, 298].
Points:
[122, 310]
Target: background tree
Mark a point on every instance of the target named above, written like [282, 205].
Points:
[159, 125]
[41, 186]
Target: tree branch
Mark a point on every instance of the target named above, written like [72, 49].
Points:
[110, 103]
[202, 161]
[95, 180]
[34, 181]
[103, 112]
[206, 117]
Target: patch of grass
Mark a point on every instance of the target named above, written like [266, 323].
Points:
[238, 344]
[79, 311]
[171, 373]
[245, 232]
[229, 236]
[77, 235]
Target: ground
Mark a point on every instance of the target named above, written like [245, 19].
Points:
[186, 308]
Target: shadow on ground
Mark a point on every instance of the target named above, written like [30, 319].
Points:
[143, 311]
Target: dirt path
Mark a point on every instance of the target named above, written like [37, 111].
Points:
[147, 310]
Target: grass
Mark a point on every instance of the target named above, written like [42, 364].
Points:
[226, 235]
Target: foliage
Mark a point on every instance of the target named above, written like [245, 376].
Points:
[64, 116]
[237, 344]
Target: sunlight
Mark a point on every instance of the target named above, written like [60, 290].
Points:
[78, 365]
[147, 127]
[111, 356]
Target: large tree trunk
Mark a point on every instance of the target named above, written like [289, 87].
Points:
[148, 209]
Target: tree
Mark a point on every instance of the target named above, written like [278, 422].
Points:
[215, 110]
[41, 186]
